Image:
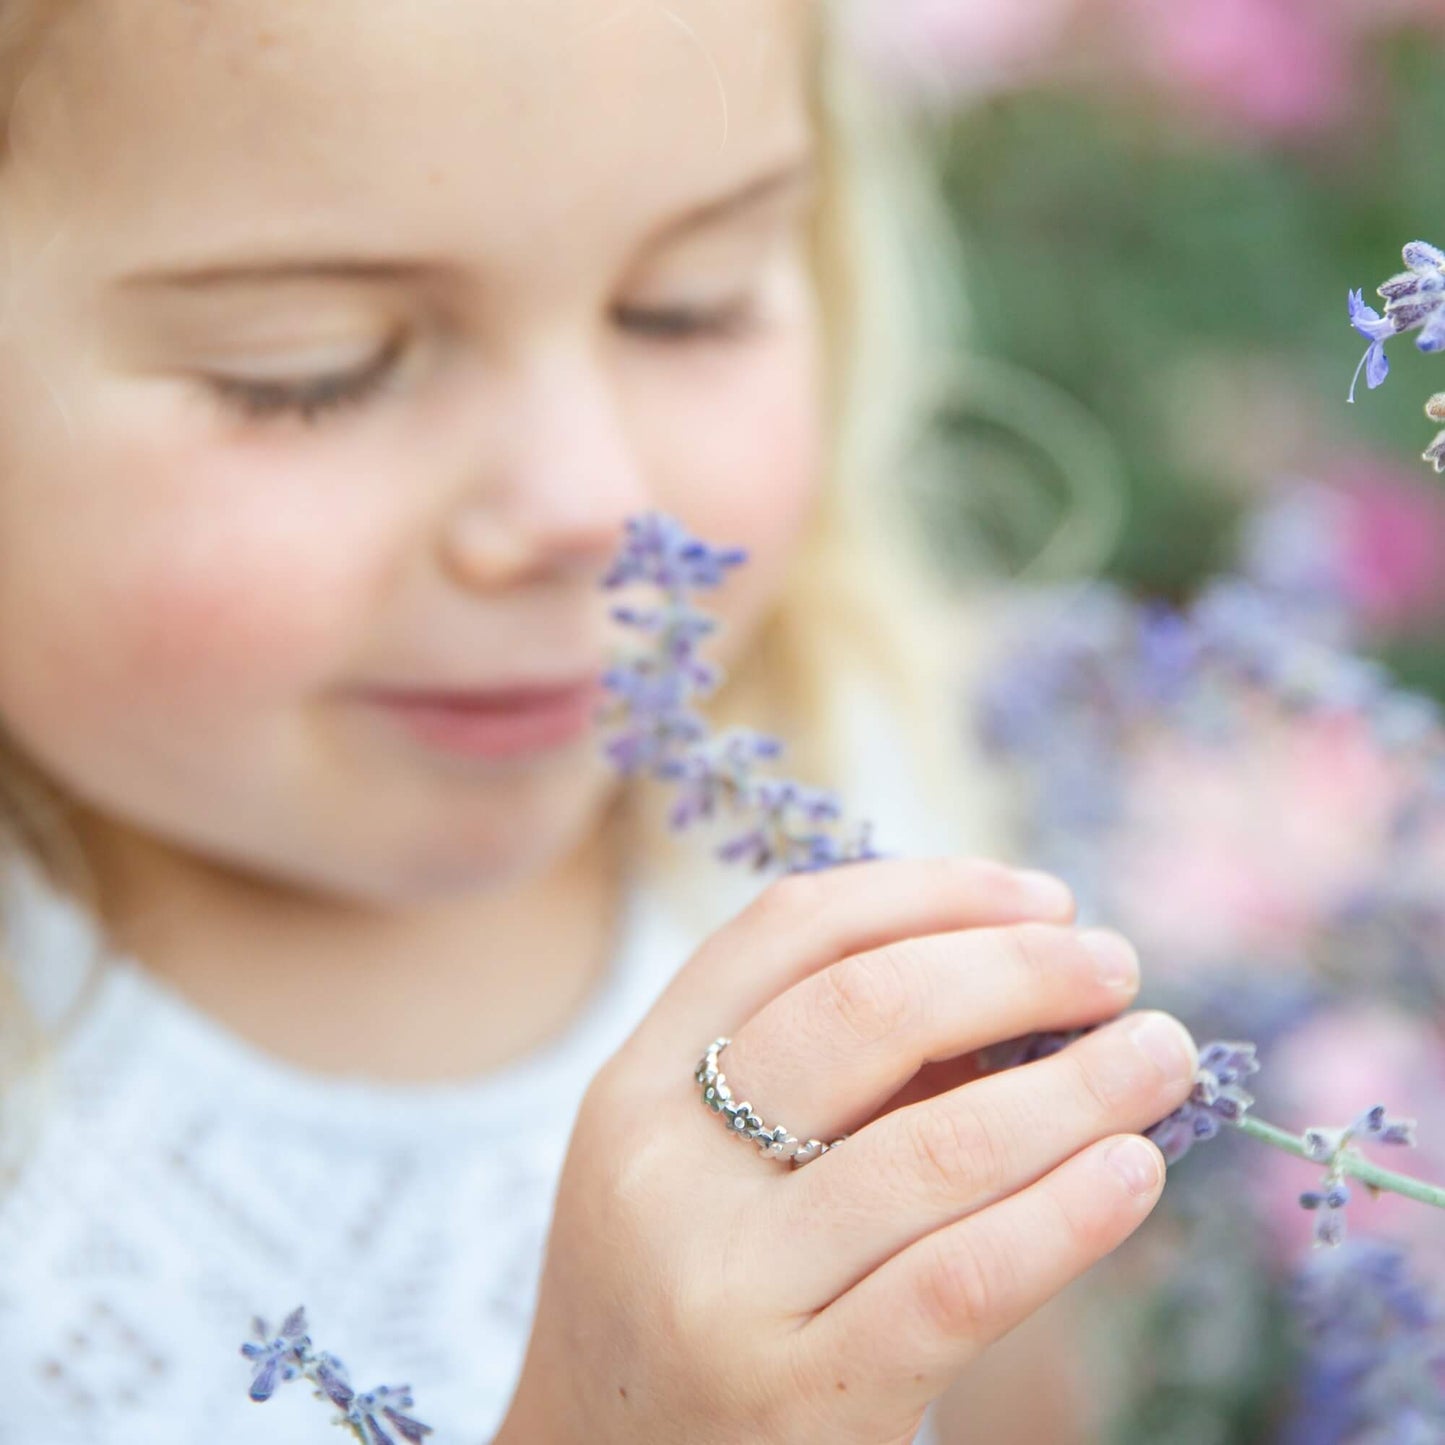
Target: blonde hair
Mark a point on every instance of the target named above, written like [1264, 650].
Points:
[858, 599]
[853, 603]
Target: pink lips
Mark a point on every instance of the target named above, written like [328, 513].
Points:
[507, 723]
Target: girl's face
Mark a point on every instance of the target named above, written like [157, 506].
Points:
[336, 342]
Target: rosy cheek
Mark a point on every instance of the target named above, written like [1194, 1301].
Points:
[745, 454]
[253, 626]
[186, 588]
[762, 483]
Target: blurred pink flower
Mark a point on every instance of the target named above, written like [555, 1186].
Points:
[1393, 550]
[1242, 852]
[1327, 1073]
[1281, 66]
[1366, 538]
[949, 49]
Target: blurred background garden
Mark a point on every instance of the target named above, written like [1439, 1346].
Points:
[1216, 680]
[1161, 206]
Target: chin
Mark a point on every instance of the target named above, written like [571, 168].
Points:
[488, 848]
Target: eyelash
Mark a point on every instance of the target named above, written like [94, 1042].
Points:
[315, 397]
[678, 325]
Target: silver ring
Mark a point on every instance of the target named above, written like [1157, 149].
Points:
[774, 1142]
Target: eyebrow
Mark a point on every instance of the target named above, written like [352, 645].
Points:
[795, 175]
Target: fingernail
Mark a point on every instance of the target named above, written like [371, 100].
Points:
[1115, 961]
[1136, 1162]
[1045, 893]
[1165, 1042]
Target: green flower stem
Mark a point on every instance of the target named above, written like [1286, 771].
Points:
[1348, 1162]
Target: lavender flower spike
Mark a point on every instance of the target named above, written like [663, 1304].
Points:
[659, 551]
[378, 1417]
[1217, 1099]
[785, 825]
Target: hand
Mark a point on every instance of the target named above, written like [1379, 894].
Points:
[695, 1291]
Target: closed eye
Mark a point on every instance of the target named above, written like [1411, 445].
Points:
[309, 397]
[682, 323]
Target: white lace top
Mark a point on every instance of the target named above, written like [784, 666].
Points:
[186, 1181]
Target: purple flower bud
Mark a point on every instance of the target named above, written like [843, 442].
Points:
[1321, 1145]
[378, 1416]
[1375, 1123]
[1401, 287]
[1329, 1229]
[1411, 311]
[1217, 1099]
[335, 1383]
[1435, 453]
[279, 1358]
[1432, 334]
[1422, 256]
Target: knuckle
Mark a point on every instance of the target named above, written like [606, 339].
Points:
[1035, 951]
[1083, 1230]
[953, 1150]
[967, 1288]
[1084, 1234]
[794, 897]
[1089, 1075]
[869, 995]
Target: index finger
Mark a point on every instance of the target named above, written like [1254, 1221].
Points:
[807, 921]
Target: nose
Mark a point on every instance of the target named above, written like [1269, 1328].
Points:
[551, 500]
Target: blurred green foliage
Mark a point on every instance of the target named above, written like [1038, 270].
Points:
[1119, 252]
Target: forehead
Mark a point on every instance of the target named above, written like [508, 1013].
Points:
[178, 123]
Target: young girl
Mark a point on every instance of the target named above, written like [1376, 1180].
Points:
[337, 341]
